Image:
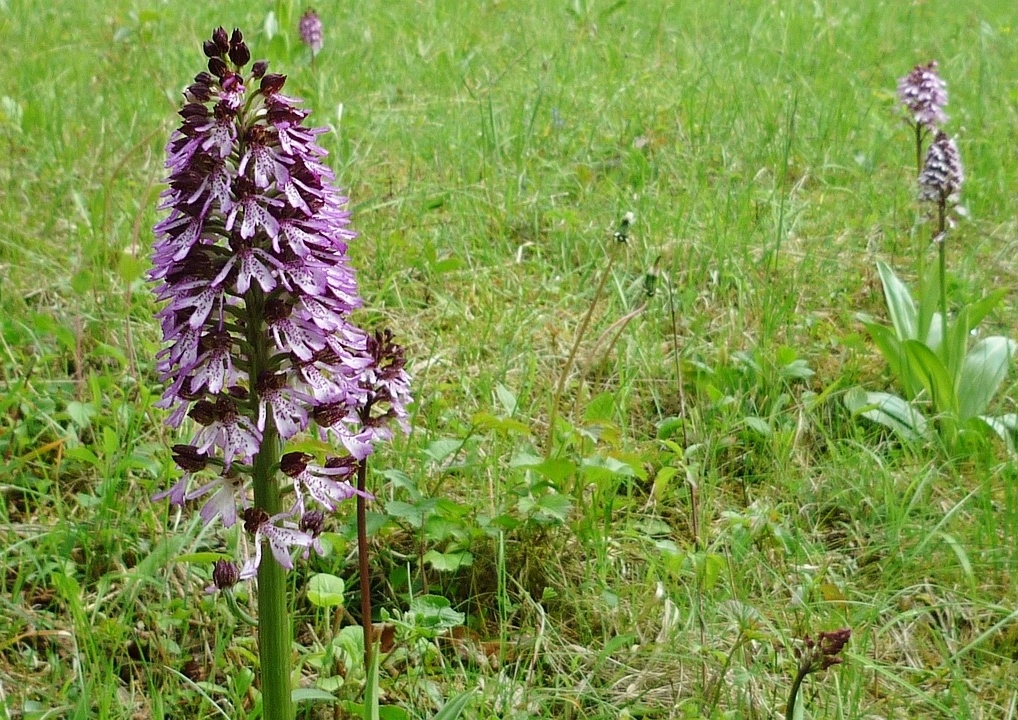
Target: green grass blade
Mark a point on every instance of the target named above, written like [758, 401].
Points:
[452, 709]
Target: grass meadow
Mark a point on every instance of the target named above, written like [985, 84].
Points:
[706, 500]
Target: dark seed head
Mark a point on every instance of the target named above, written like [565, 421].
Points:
[217, 67]
[189, 459]
[221, 40]
[272, 83]
[203, 412]
[239, 54]
[254, 518]
[313, 522]
[225, 574]
[293, 464]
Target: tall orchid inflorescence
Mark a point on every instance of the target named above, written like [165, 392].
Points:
[923, 95]
[942, 175]
[252, 268]
[310, 28]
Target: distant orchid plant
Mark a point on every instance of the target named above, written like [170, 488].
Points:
[927, 351]
[250, 264]
[311, 31]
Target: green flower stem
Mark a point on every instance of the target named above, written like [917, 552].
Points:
[274, 640]
[237, 610]
[942, 242]
[273, 614]
[918, 149]
[362, 558]
[790, 707]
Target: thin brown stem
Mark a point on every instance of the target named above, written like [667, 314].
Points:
[678, 365]
[613, 333]
[918, 149]
[564, 375]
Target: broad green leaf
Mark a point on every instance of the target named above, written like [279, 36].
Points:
[506, 399]
[663, 481]
[609, 465]
[899, 303]
[525, 459]
[928, 326]
[796, 370]
[888, 410]
[555, 469]
[760, 426]
[953, 351]
[555, 505]
[889, 345]
[985, 368]
[439, 450]
[80, 413]
[930, 369]
[670, 427]
[305, 694]
[934, 333]
[600, 409]
[1004, 426]
[83, 454]
[326, 590]
[959, 332]
[448, 562]
[435, 611]
[131, 267]
[487, 421]
[414, 514]
[438, 527]
[710, 567]
[981, 308]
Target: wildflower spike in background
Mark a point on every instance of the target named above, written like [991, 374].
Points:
[924, 94]
[311, 31]
[942, 175]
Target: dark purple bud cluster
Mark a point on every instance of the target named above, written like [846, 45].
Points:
[820, 654]
[942, 175]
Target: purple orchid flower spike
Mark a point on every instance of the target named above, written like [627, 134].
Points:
[250, 265]
[311, 31]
